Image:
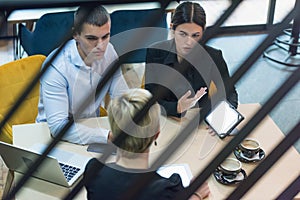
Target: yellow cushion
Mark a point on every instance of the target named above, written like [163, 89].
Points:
[5, 132]
[212, 89]
[103, 112]
[14, 78]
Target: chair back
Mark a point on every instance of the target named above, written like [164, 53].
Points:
[14, 78]
[50, 31]
[131, 25]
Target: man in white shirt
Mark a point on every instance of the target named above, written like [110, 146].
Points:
[75, 74]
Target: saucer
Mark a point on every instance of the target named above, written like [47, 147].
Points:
[241, 157]
[226, 181]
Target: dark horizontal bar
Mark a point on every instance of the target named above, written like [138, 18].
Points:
[25, 4]
[8, 37]
[241, 29]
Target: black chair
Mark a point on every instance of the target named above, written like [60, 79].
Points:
[49, 32]
[131, 25]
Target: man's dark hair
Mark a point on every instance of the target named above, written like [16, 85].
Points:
[94, 15]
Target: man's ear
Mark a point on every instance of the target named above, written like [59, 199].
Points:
[75, 33]
[171, 26]
[75, 36]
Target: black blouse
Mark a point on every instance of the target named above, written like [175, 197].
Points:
[206, 65]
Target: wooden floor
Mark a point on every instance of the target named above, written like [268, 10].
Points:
[214, 8]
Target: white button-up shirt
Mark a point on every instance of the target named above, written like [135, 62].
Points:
[67, 84]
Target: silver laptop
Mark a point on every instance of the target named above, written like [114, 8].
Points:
[60, 167]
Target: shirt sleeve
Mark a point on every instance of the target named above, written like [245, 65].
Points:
[56, 105]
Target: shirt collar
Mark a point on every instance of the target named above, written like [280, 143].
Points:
[74, 55]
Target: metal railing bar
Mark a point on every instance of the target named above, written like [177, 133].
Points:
[240, 29]
[292, 190]
[271, 12]
[214, 29]
[266, 164]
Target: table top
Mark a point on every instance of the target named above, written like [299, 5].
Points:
[197, 151]
[26, 15]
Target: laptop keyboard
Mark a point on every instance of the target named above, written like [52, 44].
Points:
[69, 171]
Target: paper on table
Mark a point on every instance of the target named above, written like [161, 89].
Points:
[183, 170]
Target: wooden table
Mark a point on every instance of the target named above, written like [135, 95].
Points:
[197, 151]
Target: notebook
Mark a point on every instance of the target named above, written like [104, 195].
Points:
[183, 170]
[60, 167]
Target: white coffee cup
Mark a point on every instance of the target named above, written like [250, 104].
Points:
[231, 167]
[249, 147]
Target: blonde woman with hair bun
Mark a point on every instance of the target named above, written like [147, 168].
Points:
[132, 163]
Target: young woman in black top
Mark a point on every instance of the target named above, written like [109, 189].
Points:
[206, 71]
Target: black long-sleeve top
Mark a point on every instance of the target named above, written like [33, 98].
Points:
[112, 182]
[205, 65]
